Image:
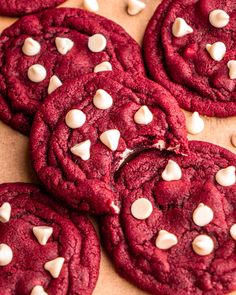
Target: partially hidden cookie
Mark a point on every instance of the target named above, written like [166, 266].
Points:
[86, 129]
[42, 251]
[39, 52]
[176, 232]
[189, 47]
[19, 7]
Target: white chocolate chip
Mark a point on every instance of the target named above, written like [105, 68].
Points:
[104, 66]
[172, 171]
[226, 176]
[143, 116]
[141, 208]
[97, 43]
[124, 156]
[64, 45]
[202, 215]
[203, 245]
[6, 255]
[54, 83]
[216, 50]
[31, 47]
[195, 124]
[42, 233]
[82, 150]
[102, 100]
[115, 207]
[110, 138]
[5, 212]
[38, 290]
[160, 145]
[232, 69]
[75, 119]
[54, 266]
[180, 28]
[135, 7]
[166, 240]
[233, 231]
[233, 140]
[37, 73]
[218, 18]
[91, 5]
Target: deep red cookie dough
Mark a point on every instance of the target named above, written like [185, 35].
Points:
[23, 7]
[74, 239]
[183, 65]
[19, 97]
[179, 270]
[86, 185]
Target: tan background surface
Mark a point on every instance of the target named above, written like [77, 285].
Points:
[14, 156]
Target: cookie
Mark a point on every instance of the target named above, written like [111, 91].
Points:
[88, 127]
[42, 251]
[39, 52]
[189, 47]
[176, 230]
[19, 8]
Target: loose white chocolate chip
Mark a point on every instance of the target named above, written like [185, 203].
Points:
[202, 215]
[141, 208]
[226, 176]
[38, 290]
[6, 255]
[42, 233]
[218, 18]
[82, 150]
[37, 73]
[216, 50]
[143, 116]
[172, 171]
[91, 5]
[135, 7]
[203, 245]
[110, 138]
[233, 140]
[31, 47]
[195, 124]
[54, 266]
[233, 231]
[97, 43]
[232, 69]
[75, 119]
[54, 83]
[104, 66]
[180, 28]
[166, 240]
[102, 100]
[64, 45]
[5, 212]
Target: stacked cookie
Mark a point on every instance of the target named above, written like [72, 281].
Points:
[106, 140]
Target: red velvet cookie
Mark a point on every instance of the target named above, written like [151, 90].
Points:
[41, 249]
[189, 47]
[39, 52]
[85, 129]
[176, 230]
[23, 7]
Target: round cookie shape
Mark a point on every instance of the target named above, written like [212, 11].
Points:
[20, 8]
[55, 45]
[79, 164]
[198, 66]
[177, 248]
[70, 247]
